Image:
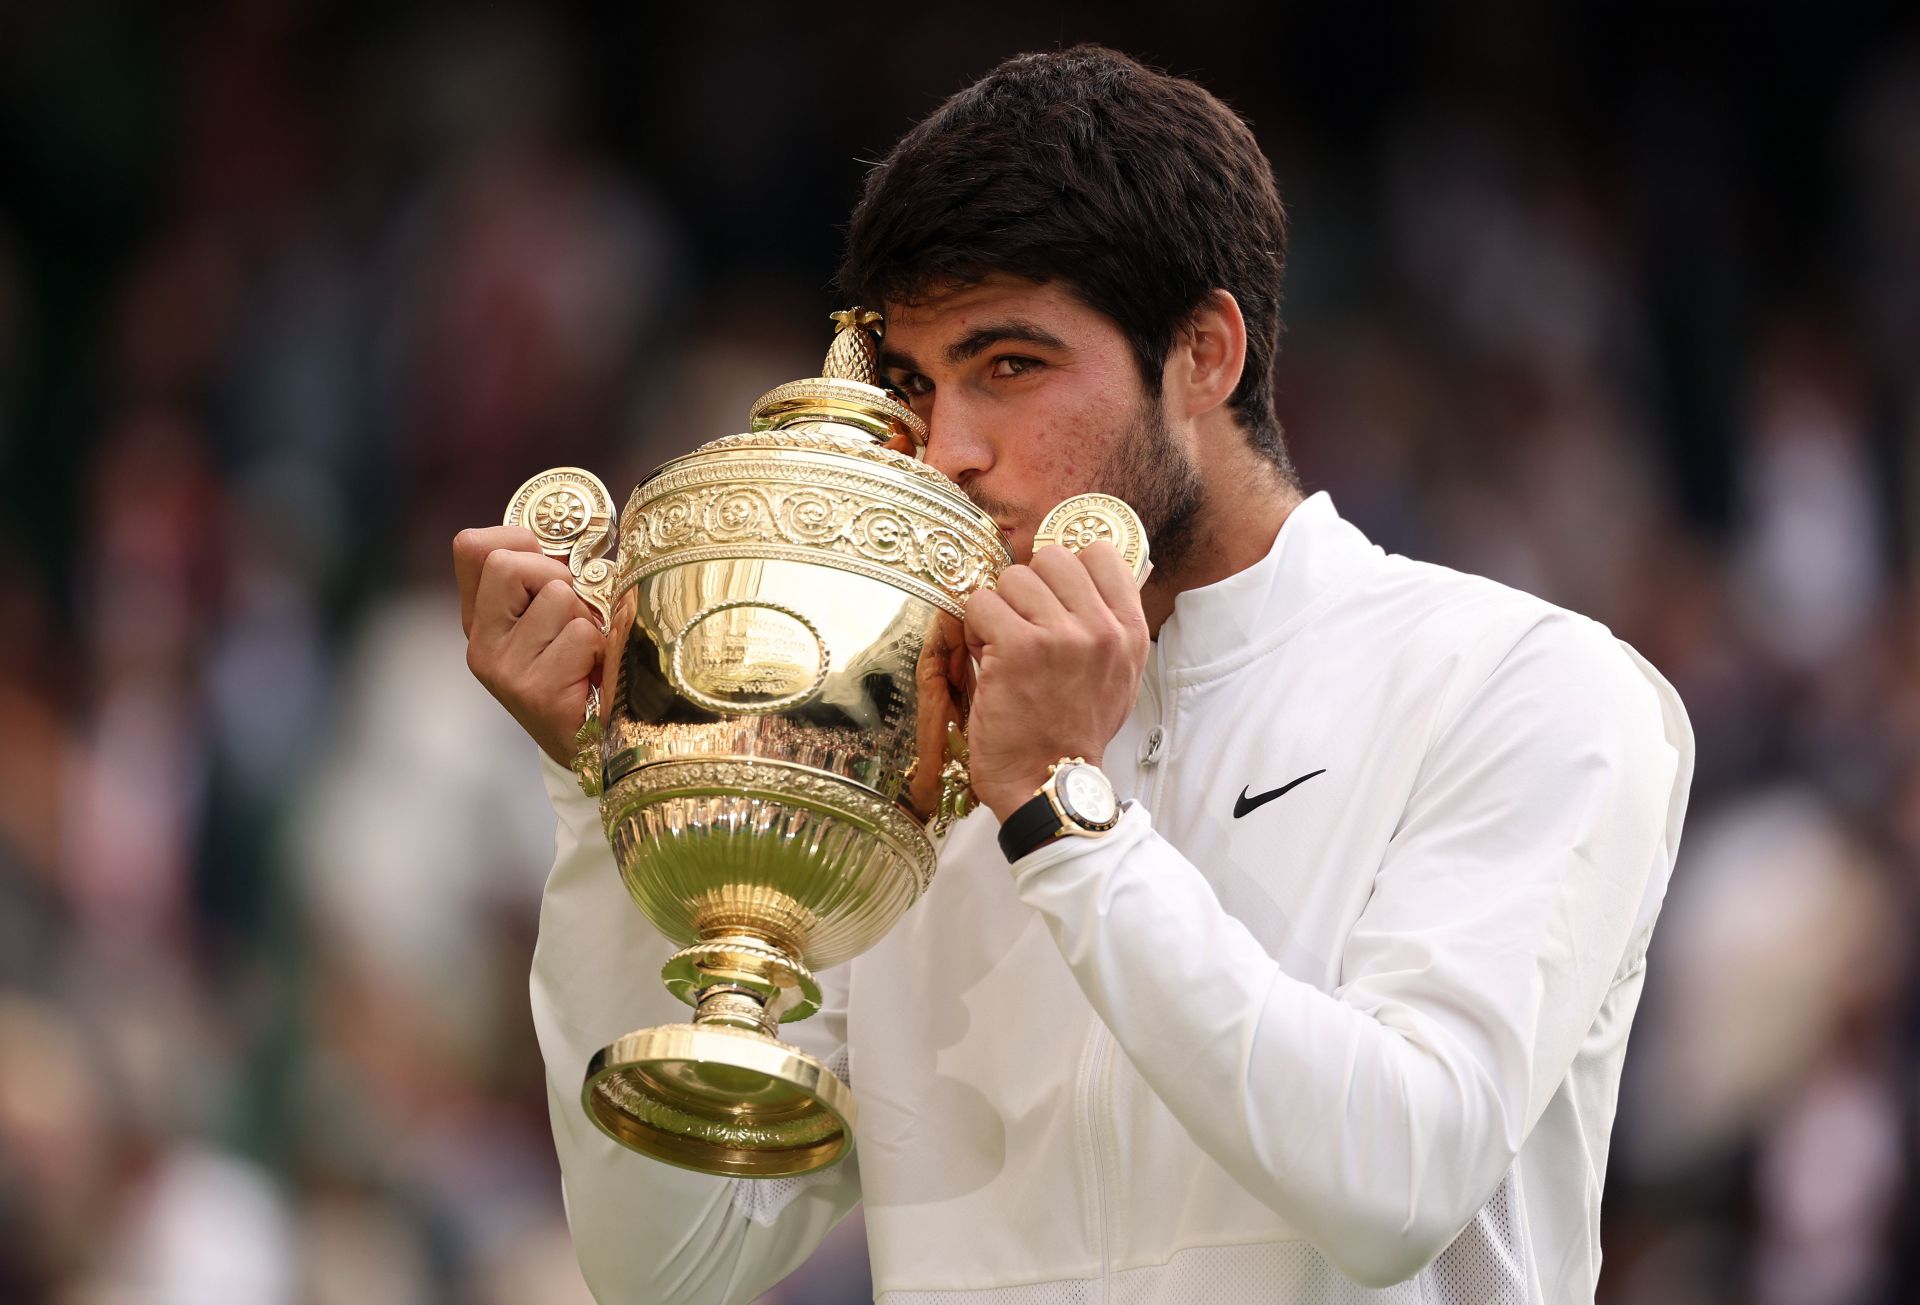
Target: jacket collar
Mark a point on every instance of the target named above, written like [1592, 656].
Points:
[1215, 628]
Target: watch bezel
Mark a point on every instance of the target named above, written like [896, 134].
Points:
[1072, 821]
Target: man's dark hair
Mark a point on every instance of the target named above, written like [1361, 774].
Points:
[1139, 191]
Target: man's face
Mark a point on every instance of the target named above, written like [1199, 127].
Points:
[1032, 396]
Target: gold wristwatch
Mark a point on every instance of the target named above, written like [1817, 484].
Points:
[1076, 801]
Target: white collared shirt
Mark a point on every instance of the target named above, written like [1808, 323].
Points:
[1357, 1041]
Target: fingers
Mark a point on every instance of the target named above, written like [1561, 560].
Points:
[1027, 593]
[1058, 590]
[990, 619]
[508, 583]
[531, 640]
[1095, 584]
[1112, 578]
[574, 653]
[471, 549]
[1066, 575]
[546, 616]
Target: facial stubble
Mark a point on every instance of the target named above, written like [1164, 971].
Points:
[1150, 470]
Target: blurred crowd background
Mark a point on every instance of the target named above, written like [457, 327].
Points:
[1617, 304]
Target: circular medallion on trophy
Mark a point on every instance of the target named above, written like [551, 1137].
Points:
[559, 506]
[1088, 519]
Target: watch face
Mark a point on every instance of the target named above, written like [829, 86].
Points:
[1088, 796]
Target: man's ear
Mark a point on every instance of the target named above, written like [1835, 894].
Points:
[1208, 355]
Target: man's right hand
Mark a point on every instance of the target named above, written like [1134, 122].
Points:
[530, 638]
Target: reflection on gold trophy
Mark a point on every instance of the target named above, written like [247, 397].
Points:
[776, 738]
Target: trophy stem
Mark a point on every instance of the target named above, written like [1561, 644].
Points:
[752, 969]
[734, 1007]
[722, 1094]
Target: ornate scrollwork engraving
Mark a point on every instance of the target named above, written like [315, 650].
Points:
[866, 521]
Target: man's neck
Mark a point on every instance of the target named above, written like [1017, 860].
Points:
[1242, 515]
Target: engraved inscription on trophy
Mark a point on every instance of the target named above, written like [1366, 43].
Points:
[749, 657]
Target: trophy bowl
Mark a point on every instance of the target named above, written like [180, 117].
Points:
[776, 739]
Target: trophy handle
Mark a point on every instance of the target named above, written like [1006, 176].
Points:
[571, 513]
[956, 786]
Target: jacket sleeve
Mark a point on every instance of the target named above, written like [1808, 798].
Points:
[1379, 1117]
[645, 1231]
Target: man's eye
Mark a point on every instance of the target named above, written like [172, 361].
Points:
[1011, 365]
[913, 385]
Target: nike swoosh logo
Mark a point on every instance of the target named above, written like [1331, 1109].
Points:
[1244, 804]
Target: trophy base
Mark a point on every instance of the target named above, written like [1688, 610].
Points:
[720, 1100]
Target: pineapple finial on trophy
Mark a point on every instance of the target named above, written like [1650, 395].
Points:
[855, 353]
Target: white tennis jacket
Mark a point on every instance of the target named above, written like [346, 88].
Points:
[1359, 1041]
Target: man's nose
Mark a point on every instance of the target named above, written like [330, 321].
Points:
[957, 444]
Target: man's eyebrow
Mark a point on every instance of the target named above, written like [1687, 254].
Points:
[977, 341]
[981, 338]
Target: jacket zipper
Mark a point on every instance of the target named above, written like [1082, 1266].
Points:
[1097, 1077]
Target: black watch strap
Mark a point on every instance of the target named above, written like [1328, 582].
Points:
[1033, 825]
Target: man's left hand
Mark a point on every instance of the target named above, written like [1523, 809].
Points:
[1060, 645]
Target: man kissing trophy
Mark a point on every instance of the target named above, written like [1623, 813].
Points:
[1293, 949]
[777, 737]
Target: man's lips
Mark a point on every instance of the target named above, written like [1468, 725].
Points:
[1018, 541]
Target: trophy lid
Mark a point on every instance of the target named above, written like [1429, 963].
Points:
[847, 396]
[829, 448]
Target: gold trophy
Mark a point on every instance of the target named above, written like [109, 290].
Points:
[776, 739]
